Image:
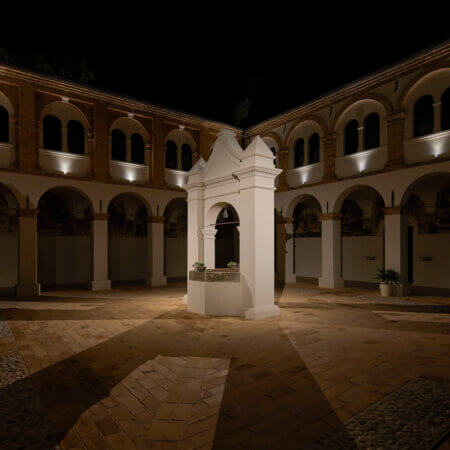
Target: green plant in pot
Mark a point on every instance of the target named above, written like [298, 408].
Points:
[199, 266]
[387, 277]
[232, 265]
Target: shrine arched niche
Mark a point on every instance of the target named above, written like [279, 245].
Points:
[227, 237]
[307, 236]
[8, 241]
[175, 240]
[426, 203]
[127, 239]
[64, 238]
[362, 235]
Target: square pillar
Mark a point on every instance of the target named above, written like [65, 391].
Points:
[290, 276]
[209, 247]
[396, 242]
[155, 252]
[331, 252]
[100, 278]
[28, 285]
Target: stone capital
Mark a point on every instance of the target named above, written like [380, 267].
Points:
[331, 216]
[395, 119]
[156, 219]
[27, 212]
[394, 210]
[209, 233]
[100, 216]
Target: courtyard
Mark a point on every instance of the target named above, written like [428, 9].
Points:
[131, 368]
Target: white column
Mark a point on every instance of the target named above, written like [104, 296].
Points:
[28, 285]
[290, 276]
[331, 252]
[396, 241]
[209, 246]
[437, 117]
[100, 276]
[155, 248]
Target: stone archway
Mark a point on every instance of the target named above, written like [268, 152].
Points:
[64, 238]
[227, 237]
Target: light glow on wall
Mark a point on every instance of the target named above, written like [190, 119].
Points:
[362, 164]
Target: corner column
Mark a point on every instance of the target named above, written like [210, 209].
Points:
[155, 251]
[396, 241]
[283, 164]
[100, 274]
[290, 276]
[209, 246]
[331, 252]
[28, 285]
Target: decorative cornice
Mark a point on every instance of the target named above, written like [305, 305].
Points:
[331, 216]
[27, 212]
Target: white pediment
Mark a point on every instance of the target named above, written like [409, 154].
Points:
[225, 157]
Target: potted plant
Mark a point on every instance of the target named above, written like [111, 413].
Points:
[232, 265]
[199, 266]
[387, 277]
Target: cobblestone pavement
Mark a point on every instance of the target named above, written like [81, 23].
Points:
[130, 368]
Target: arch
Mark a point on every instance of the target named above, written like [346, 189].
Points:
[417, 80]
[434, 178]
[214, 210]
[186, 157]
[445, 110]
[4, 125]
[171, 155]
[380, 99]
[351, 137]
[75, 137]
[274, 136]
[130, 125]
[314, 149]
[69, 189]
[423, 116]
[299, 199]
[118, 145]
[136, 195]
[137, 149]
[312, 118]
[372, 131]
[346, 192]
[227, 237]
[65, 112]
[51, 133]
[299, 153]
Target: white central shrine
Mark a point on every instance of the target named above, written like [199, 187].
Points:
[244, 182]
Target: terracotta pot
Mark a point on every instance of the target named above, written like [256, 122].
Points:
[385, 290]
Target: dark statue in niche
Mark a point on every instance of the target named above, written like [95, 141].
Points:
[307, 221]
[58, 217]
[8, 218]
[119, 224]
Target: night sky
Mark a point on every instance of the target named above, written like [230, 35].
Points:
[238, 68]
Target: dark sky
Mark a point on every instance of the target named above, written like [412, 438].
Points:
[209, 64]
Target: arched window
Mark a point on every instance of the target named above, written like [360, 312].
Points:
[186, 157]
[314, 149]
[75, 137]
[351, 137]
[51, 129]
[4, 124]
[137, 149]
[171, 155]
[445, 110]
[118, 145]
[423, 116]
[372, 131]
[299, 153]
[274, 152]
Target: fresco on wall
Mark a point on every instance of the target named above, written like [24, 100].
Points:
[61, 217]
[121, 224]
[175, 225]
[8, 218]
[307, 221]
[355, 223]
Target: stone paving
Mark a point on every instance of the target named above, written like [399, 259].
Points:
[131, 368]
